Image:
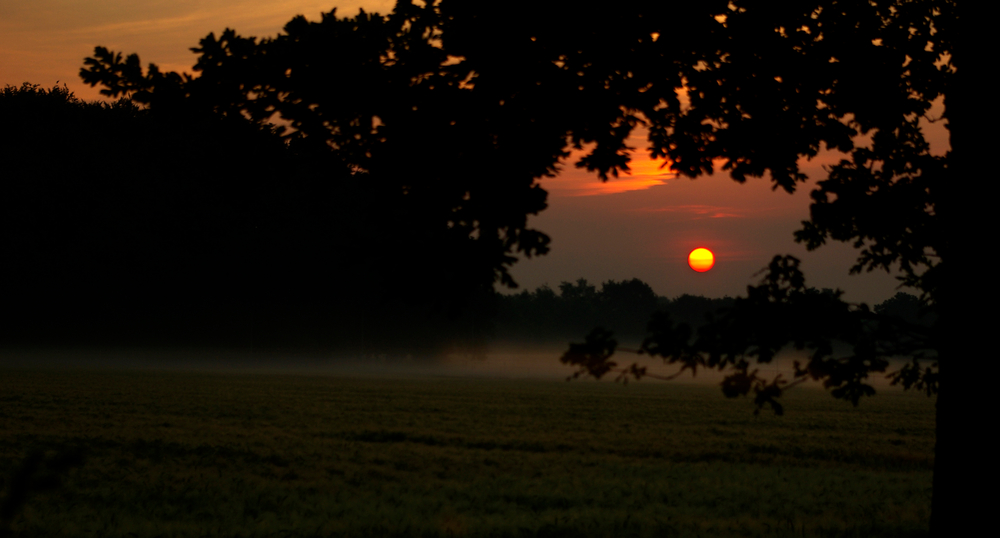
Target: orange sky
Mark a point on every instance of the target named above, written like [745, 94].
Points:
[641, 225]
[43, 41]
[645, 225]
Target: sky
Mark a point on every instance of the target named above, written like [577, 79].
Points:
[639, 226]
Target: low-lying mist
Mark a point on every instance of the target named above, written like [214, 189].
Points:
[509, 360]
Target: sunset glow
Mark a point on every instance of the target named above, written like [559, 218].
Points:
[701, 259]
[635, 225]
[644, 173]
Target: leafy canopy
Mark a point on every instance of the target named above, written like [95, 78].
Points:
[459, 107]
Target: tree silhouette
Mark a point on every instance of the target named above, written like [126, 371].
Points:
[766, 84]
[119, 220]
[455, 109]
[380, 94]
[180, 227]
[542, 316]
[907, 307]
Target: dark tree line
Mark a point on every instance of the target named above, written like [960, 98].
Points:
[547, 315]
[625, 308]
[129, 225]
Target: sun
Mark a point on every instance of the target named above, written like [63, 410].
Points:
[701, 259]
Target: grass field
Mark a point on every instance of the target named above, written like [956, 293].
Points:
[200, 454]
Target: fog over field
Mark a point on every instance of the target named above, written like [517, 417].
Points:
[507, 361]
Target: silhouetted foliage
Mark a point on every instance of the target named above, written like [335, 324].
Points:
[768, 84]
[432, 98]
[126, 225]
[906, 307]
[378, 95]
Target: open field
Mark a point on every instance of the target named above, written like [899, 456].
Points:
[169, 453]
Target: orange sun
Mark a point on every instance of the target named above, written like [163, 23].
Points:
[701, 259]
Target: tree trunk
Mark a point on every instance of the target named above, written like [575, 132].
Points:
[964, 474]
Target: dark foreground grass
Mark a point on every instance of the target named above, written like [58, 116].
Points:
[173, 454]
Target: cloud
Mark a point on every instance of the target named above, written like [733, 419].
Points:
[574, 185]
[644, 173]
[698, 211]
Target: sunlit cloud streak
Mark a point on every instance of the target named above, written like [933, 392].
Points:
[644, 173]
[696, 211]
